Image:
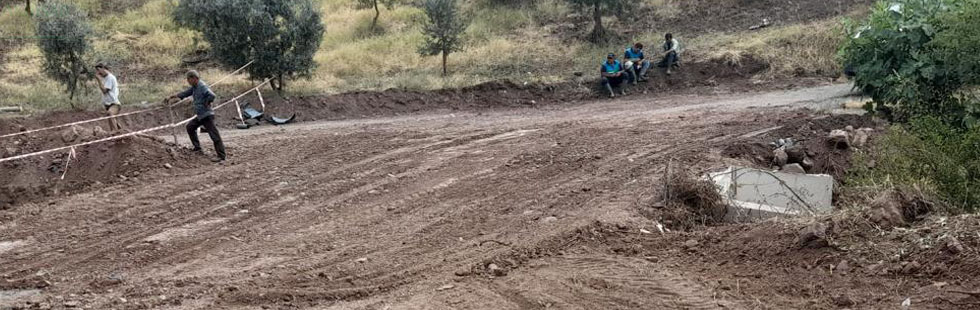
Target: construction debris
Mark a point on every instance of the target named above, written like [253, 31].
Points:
[753, 194]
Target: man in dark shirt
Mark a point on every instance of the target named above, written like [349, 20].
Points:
[203, 97]
[613, 74]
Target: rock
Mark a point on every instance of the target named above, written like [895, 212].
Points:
[953, 245]
[795, 155]
[374, 192]
[860, 138]
[893, 208]
[445, 287]
[99, 132]
[793, 168]
[70, 134]
[549, 219]
[9, 151]
[71, 304]
[842, 301]
[462, 272]
[691, 244]
[362, 260]
[839, 139]
[911, 268]
[168, 166]
[251, 122]
[849, 128]
[780, 157]
[807, 164]
[496, 270]
[814, 236]
[843, 267]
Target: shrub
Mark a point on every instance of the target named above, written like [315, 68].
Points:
[910, 57]
[281, 36]
[442, 30]
[64, 35]
[929, 153]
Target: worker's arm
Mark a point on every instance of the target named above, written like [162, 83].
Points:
[101, 84]
[184, 94]
[209, 97]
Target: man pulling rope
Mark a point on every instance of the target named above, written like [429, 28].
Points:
[203, 97]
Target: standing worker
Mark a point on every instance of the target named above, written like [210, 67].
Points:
[110, 94]
[203, 97]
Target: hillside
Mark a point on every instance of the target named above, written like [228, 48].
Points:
[530, 41]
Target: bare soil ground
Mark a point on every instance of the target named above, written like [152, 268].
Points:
[517, 208]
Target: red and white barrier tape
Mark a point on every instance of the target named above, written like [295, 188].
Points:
[120, 115]
[107, 139]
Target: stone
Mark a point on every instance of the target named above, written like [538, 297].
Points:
[168, 166]
[793, 168]
[362, 260]
[886, 210]
[953, 245]
[691, 244]
[496, 270]
[445, 287]
[849, 128]
[839, 139]
[780, 157]
[252, 122]
[99, 132]
[795, 155]
[549, 219]
[814, 236]
[843, 301]
[759, 194]
[844, 267]
[70, 135]
[807, 163]
[462, 272]
[9, 151]
[860, 138]
[911, 268]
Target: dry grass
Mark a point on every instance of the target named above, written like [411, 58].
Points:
[795, 50]
[503, 43]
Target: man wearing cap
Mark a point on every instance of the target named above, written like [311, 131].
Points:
[613, 75]
[109, 87]
[203, 97]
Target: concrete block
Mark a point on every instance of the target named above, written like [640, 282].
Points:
[755, 194]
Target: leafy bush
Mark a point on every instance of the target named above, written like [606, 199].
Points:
[281, 36]
[442, 30]
[911, 56]
[928, 153]
[64, 36]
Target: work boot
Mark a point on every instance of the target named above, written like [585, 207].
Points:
[612, 94]
[197, 150]
[217, 160]
[668, 72]
[622, 91]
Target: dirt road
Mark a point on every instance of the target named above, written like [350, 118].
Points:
[474, 210]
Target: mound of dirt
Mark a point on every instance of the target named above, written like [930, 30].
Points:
[811, 137]
[101, 164]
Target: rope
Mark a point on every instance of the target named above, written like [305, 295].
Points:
[123, 114]
[135, 133]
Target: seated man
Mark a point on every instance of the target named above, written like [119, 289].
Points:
[637, 65]
[671, 54]
[613, 75]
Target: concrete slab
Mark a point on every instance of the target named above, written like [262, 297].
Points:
[755, 194]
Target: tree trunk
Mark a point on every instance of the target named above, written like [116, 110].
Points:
[28, 7]
[377, 13]
[445, 55]
[598, 33]
[282, 84]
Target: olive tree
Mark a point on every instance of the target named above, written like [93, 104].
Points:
[600, 8]
[64, 33]
[375, 4]
[280, 36]
[443, 30]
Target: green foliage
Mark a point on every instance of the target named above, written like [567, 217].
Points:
[600, 8]
[442, 30]
[281, 36]
[902, 57]
[928, 153]
[64, 36]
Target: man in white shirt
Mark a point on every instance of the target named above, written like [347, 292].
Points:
[110, 94]
[671, 54]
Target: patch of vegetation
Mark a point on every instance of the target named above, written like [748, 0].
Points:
[64, 36]
[927, 153]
